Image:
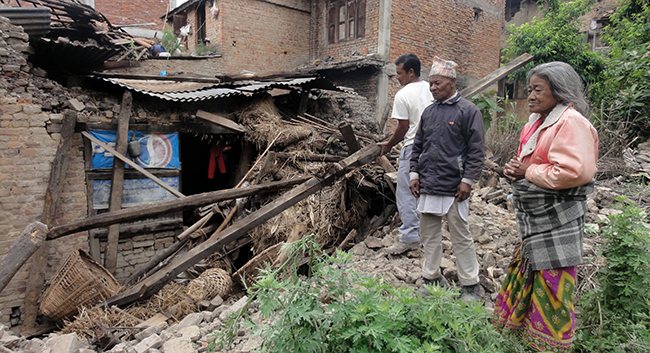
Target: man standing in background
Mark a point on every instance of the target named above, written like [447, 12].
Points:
[408, 105]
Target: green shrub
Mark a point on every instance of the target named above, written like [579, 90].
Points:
[555, 37]
[335, 309]
[616, 316]
[170, 41]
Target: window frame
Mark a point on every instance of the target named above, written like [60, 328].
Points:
[346, 20]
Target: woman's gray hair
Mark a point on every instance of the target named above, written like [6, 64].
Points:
[565, 84]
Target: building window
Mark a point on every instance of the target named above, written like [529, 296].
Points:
[346, 20]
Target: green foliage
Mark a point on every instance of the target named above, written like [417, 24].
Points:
[202, 49]
[170, 41]
[616, 316]
[335, 309]
[488, 104]
[624, 93]
[555, 37]
[502, 134]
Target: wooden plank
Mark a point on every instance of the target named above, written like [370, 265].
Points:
[219, 120]
[152, 284]
[480, 85]
[163, 207]
[304, 100]
[52, 202]
[153, 321]
[388, 168]
[22, 248]
[199, 127]
[158, 77]
[349, 137]
[133, 164]
[310, 157]
[117, 181]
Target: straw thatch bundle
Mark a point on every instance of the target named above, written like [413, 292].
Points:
[265, 123]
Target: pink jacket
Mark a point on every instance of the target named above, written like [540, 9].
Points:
[563, 152]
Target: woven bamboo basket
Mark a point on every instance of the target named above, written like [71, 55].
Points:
[80, 281]
[248, 272]
[212, 282]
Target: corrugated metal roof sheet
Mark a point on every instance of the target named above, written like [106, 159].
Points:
[34, 20]
[176, 90]
[188, 91]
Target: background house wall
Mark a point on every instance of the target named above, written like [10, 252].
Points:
[465, 31]
[129, 12]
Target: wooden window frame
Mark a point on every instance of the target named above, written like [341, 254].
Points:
[346, 20]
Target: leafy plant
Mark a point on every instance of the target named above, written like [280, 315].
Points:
[502, 134]
[555, 37]
[334, 309]
[488, 104]
[170, 41]
[624, 94]
[616, 316]
[202, 49]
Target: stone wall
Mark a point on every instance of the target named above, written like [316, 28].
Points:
[134, 252]
[26, 154]
[31, 110]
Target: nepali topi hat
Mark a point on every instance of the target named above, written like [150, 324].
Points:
[444, 68]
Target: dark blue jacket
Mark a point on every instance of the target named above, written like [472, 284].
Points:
[448, 146]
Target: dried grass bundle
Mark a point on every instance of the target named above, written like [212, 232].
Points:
[264, 123]
[329, 214]
[89, 320]
[171, 299]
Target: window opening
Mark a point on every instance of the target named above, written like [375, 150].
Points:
[346, 20]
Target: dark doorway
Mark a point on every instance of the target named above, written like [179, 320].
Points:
[198, 173]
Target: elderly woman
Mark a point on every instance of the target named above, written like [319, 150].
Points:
[551, 178]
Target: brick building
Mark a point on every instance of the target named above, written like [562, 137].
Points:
[353, 42]
[324, 35]
[135, 13]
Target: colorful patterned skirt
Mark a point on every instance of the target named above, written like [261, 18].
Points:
[538, 305]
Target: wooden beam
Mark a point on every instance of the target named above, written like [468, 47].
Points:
[158, 77]
[480, 85]
[22, 248]
[117, 181]
[169, 206]
[132, 164]
[388, 168]
[52, 202]
[349, 137]
[304, 100]
[219, 120]
[309, 157]
[154, 283]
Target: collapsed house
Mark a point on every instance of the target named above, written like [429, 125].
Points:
[194, 152]
[199, 129]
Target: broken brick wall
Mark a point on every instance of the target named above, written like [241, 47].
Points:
[32, 108]
[26, 153]
[129, 12]
[173, 66]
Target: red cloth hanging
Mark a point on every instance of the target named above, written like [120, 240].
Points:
[216, 159]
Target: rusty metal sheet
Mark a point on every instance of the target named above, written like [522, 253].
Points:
[34, 20]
